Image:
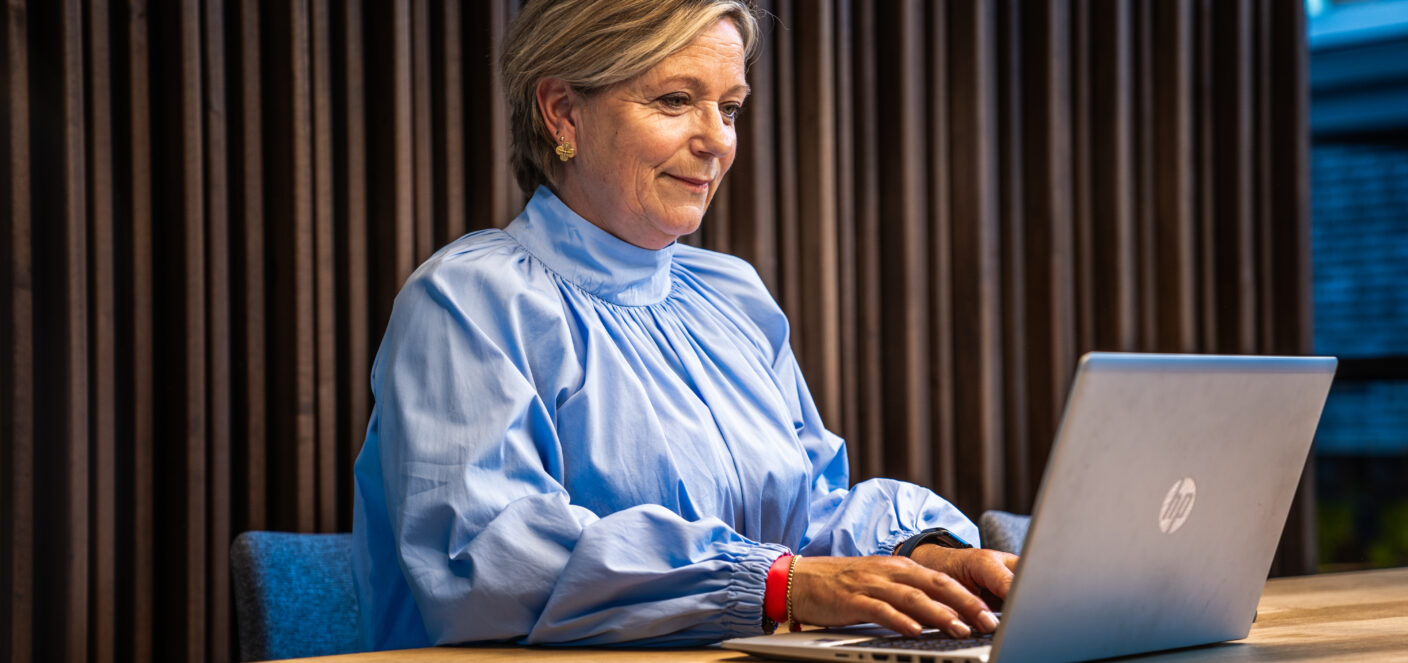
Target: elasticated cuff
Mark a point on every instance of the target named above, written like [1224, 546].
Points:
[887, 547]
[744, 614]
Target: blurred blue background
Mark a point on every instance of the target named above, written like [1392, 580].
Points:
[1359, 240]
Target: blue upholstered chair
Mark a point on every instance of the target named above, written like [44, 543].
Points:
[294, 595]
[1003, 531]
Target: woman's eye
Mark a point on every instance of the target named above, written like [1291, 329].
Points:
[731, 111]
[674, 101]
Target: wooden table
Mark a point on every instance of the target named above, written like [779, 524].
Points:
[1361, 616]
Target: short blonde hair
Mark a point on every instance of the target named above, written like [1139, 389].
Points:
[593, 44]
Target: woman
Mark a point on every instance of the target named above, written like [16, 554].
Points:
[588, 433]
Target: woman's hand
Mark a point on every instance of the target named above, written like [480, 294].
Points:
[977, 569]
[936, 589]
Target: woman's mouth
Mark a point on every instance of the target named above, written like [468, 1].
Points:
[691, 183]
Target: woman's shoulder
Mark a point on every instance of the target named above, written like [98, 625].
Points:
[486, 270]
[720, 269]
[481, 303]
[475, 249]
[734, 279]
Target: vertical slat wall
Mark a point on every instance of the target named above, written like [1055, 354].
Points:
[138, 618]
[17, 344]
[209, 207]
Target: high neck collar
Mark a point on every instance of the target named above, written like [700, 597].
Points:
[597, 261]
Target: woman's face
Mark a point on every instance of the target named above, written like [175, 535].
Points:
[652, 150]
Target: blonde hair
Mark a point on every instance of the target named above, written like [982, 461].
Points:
[593, 44]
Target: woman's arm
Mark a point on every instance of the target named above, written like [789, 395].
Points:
[872, 517]
[847, 576]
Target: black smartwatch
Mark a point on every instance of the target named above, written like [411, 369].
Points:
[937, 535]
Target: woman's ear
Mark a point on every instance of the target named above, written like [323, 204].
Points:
[557, 101]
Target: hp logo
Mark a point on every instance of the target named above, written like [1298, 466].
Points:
[1178, 503]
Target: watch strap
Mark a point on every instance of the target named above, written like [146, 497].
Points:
[939, 536]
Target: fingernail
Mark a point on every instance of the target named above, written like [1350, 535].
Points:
[915, 628]
[987, 621]
[958, 629]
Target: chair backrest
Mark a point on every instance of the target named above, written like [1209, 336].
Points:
[1003, 531]
[294, 595]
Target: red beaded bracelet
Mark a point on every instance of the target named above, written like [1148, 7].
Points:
[775, 592]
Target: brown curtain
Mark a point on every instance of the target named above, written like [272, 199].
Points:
[209, 206]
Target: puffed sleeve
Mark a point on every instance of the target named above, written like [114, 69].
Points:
[487, 537]
[871, 518]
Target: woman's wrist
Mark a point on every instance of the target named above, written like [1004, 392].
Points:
[940, 536]
[935, 557]
[775, 593]
[792, 623]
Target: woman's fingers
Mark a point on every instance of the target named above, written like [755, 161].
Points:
[990, 570]
[894, 592]
[957, 597]
[926, 608]
[886, 615]
[976, 568]
[983, 570]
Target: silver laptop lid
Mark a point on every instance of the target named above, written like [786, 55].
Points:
[1162, 503]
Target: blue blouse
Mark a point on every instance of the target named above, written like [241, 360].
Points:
[577, 440]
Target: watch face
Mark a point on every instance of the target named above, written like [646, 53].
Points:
[950, 540]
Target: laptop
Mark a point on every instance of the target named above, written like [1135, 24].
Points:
[1154, 527]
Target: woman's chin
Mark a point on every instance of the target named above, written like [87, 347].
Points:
[686, 226]
[680, 219]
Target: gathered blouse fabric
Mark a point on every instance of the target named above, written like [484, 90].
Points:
[577, 440]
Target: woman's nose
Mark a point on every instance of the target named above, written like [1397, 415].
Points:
[713, 135]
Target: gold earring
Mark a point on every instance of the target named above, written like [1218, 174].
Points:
[565, 151]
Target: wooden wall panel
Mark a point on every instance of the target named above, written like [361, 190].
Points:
[1172, 198]
[423, 172]
[249, 216]
[1013, 238]
[1111, 173]
[1264, 172]
[74, 498]
[219, 347]
[783, 142]
[190, 640]
[1203, 196]
[355, 353]
[941, 310]
[847, 415]
[753, 189]
[1050, 245]
[102, 248]
[903, 239]
[142, 565]
[952, 201]
[453, 143]
[303, 351]
[977, 276]
[1145, 237]
[17, 386]
[867, 452]
[1083, 147]
[326, 285]
[1234, 196]
[403, 131]
[498, 200]
[817, 204]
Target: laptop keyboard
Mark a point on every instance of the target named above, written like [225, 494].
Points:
[935, 641]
